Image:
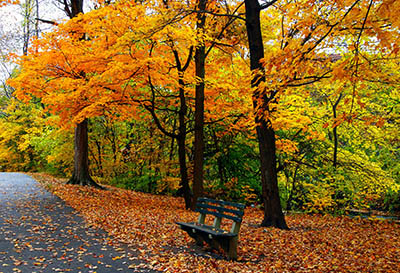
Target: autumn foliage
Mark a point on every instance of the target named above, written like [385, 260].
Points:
[315, 243]
[330, 76]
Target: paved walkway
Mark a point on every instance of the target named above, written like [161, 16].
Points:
[40, 233]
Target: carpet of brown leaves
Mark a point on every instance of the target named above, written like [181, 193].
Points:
[313, 244]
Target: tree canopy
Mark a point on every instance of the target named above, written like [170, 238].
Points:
[324, 87]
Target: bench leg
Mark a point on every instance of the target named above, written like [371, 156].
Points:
[198, 239]
[232, 251]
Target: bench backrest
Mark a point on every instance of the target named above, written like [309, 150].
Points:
[220, 209]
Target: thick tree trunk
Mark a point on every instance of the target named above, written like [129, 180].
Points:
[273, 215]
[200, 56]
[80, 175]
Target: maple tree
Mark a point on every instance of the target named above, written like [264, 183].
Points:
[144, 87]
[81, 170]
[80, 174]
[139, 77]
[266, 135]
[199, 57]
[308, 31]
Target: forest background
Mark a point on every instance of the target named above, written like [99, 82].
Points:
[128, 69]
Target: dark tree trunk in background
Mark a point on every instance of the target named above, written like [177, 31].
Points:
[181, 140]
[199, 57]
[334, 131]
[80, 175]
[273, 215]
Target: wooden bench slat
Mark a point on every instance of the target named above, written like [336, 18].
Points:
[207, 229]
[221, 209]
[214, 235]
[225, 203]
[218, 214]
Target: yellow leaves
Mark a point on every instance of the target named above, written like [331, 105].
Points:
[344, 244]
[168, 183]
[320, 198]
[19, 127]
[117, 258]
[249, 194]
[315, 135]
[286, 146]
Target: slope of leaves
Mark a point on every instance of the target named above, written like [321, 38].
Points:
[314, 243]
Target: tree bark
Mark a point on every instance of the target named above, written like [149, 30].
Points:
[27, 13]
[80, 175]
[273, 215]
[199, 57]
[181, 140]
[334, 131]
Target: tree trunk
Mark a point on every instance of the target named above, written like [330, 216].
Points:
[335, 146]
[292, 192]
[181, 140]
[273, 215]
[184, 184]
[334, 132]
[199, 57]
[27, 13]
[184, 188]
[80, 175]
[100, 158]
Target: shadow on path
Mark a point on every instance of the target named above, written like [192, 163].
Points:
[40, 233]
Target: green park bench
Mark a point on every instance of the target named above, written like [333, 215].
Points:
[213, 235]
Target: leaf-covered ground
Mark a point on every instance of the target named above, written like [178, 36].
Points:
[39, 233]
[313, 244]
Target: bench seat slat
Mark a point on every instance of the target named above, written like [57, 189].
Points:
[213, 235]
[206, 229]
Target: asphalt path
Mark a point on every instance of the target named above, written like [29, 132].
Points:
[40, 233]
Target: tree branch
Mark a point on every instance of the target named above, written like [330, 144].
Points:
[267, 4]
[47, 21]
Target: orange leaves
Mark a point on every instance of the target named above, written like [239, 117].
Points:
[79, 69]
[370, 120]
[340, 70]
[106, 61]
[7, 2]
[314, 243]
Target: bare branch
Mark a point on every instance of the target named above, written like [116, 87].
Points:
[267, 4]
[47, 21]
